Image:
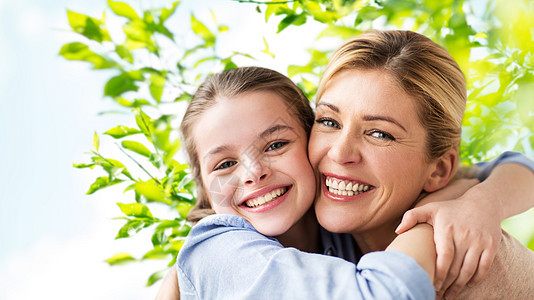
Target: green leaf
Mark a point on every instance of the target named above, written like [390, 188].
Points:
[120, 259]
[202, 31]
[155, 277]
[157, 83]
[150, 190]
[295, 19]
[266, 50]
[138, 210]
[82, 166]
[136, 147]
[102, 182]
[121, 131]
[124, 53]
[96, 141]
[143, 121]
[132, 227]
[184, 97]
[168, 11]
[158, 238]
[122, 9]
[530, 244]
[87, 26]
[184, 208]
[127, 103]
[120, 84]
[81, 52]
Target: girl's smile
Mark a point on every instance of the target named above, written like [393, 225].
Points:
[253, 161]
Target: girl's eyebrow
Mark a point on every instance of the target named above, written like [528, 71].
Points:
[263, 135]
[277, 127]
[219, 149]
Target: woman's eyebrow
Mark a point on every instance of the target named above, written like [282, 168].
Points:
[383, 118]
[329, 105]
[275, 128]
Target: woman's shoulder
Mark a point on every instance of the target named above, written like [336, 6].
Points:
[510, 276]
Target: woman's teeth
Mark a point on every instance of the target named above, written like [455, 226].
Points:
[345, 187]
[266, 198]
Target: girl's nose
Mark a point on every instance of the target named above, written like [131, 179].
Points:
[256, 171]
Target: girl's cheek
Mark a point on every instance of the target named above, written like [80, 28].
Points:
[223, 189]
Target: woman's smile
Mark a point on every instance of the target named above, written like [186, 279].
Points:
[340, 189]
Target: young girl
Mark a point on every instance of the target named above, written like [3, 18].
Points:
[246, 132]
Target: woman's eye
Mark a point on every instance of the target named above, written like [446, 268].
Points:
[276, 145]
[382, 135]
[327, 122]
[226, 164]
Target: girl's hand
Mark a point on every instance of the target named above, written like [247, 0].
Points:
[467, 233]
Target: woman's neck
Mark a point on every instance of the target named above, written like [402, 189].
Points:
[304, 235]
[378, 238]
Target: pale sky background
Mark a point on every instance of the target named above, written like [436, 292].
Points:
[53, 238]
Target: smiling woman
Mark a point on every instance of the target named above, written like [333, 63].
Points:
[389, 115]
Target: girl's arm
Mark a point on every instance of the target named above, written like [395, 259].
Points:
[467, 228]
[226, 258]
[418, 243]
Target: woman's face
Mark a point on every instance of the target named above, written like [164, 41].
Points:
[253, 161]
[368, 149]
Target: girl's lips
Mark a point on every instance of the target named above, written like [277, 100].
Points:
[340, 188]
[267, 204]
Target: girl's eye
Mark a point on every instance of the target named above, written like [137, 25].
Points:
[226, 164]
[327, 122]
[276, 145]
[381, 135]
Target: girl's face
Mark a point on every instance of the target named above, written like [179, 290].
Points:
[253, 161]
[368, 148]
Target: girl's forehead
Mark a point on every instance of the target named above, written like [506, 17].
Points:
[244, 120]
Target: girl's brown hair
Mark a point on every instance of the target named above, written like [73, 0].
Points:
[422, 68]
[229, 84]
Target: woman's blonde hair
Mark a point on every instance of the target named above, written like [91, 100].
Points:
[229, 84]
[422, 68]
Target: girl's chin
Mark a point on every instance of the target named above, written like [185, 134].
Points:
[272, 229]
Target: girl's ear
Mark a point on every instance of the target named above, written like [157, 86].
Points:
[442, 172]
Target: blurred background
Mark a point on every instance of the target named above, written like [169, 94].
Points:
[55, 239]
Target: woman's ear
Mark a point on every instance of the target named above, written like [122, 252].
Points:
[443, 170]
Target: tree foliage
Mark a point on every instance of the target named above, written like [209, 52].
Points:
[153, 69]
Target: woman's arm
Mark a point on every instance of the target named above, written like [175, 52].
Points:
[169, 289]
[477, 214]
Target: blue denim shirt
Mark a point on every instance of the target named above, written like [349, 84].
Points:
[224, 257]
[486, 167]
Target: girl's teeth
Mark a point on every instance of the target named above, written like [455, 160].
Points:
[268, 197]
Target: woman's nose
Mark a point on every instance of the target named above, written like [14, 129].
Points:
[345, 150]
